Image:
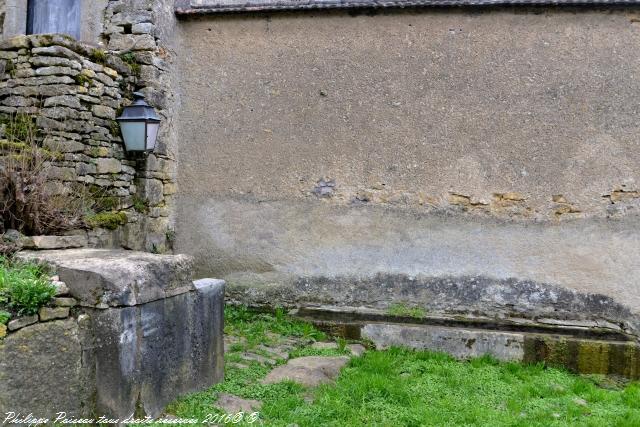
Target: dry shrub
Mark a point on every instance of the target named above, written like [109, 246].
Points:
[25, 203]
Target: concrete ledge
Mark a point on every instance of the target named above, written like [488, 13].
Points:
[147, 355]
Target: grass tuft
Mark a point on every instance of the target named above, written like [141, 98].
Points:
[405, 311]
[24, 288]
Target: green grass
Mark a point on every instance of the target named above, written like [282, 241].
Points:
[24, 287]
[405, 311]
[400, 387]
[260, 328]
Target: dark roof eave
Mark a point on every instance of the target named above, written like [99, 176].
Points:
[183, 7]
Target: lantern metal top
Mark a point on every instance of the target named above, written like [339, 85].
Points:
[139, 110]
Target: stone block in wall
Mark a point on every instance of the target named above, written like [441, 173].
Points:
[62, 173]
[156, 233]
[104, 112]
[15, 43]
[170, 188]
[21, 322]
[105, 79]
[129, 42]
[17, 101]
[134, 233]
[52, 313]
[151, 190]
[56, 71]
[103, 238]
[108, 165]
[85, 168]
[55, 242]
[55, 61]
[24, 72]
[143, 28]
[149, 73]
[150, 354]
[56, 188]
[57, 51]
[63, 101]
[41, 370]
[132, 15]
[61, 145]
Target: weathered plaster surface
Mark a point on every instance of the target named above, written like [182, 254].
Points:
[319, 240]
[507, 113]
[445, 143]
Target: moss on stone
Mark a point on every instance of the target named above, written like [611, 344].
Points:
[82, 80]
[584, 356]
[130, 59]
[108, 220]
[10, 68]
[98, 152]
[98, 56]
[107, 203]
[593, 357]
[140, 205]
[11, 145]
[114, 127]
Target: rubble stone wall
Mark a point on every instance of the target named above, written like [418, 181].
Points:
[127, 45]
[73, 92]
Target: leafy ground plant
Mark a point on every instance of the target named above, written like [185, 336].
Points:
[401, 387]
[24, 287]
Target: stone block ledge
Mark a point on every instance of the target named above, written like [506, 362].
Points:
[132, 334]
[103, 278]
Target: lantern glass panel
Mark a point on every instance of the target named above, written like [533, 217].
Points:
[152, 134]
[133, 134]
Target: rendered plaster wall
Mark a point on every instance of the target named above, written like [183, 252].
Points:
[440, 142]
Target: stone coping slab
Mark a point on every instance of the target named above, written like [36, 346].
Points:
[104, 278]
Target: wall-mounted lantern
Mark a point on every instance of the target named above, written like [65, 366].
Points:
[139, 124]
